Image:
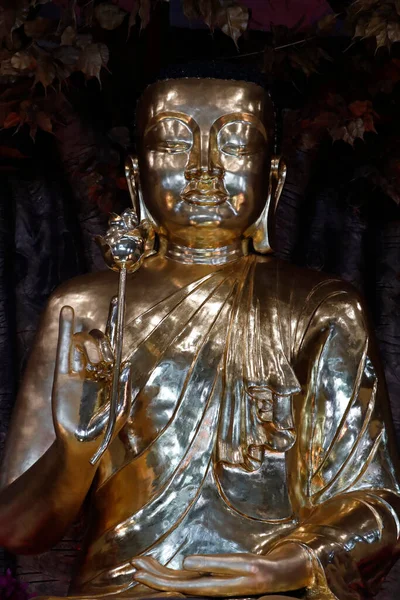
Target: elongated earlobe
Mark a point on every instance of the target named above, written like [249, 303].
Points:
[142, 214]
[135, 191]
[262, 232]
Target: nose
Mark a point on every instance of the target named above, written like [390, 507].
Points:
[203, 161]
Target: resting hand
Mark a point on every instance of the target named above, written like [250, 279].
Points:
[284, 569]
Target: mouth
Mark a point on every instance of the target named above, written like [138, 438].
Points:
[201, 199]
[200, 194]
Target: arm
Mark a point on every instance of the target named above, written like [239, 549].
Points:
[38, 506]
[343, 477]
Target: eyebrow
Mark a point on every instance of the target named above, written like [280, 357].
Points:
[162, 116]
[240, 117]
[217, 125]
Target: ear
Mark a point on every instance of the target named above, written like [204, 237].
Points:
[143, 215]
[132, 179]
[135, 191]
[262, 232]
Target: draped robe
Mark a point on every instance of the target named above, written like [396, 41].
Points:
[258, 418]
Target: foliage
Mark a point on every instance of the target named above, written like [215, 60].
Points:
[379, 19]
[43, 50]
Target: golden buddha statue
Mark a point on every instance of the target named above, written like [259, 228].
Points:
[251, 451]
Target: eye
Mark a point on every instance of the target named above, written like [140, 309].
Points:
[173, 147]
[240, 138]
[171, 136]
[237, 149]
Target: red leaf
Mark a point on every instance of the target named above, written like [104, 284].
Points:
[369, 123]
[44, 122]
[6, 152]
[360, 107]
[11, 120]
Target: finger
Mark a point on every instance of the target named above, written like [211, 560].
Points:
[150, 565]
[89, 346]
[111, 326]
[78, 359]
[104, 343]
[200, 586]
[65, 333]
[220, 563]
[125, 390]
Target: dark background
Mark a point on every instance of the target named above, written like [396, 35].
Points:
[329, 217]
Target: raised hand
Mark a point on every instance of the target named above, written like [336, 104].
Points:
[82, 384]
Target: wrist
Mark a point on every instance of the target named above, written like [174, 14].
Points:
[74, 457]
[294, 565]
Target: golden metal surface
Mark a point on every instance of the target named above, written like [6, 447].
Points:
[252, 450]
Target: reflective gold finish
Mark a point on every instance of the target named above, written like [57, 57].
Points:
[252, 447]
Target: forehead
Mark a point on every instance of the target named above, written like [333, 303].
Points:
[204, 100]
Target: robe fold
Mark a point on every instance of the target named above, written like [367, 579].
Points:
[258, 418]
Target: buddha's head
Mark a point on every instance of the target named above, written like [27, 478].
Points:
[204, 154]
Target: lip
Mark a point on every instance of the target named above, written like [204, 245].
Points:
[199, 198]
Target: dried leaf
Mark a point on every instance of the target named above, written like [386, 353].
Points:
[43, 121]
[190, 9]
[45, 72]
[375, 26]
[307, 59]
[87, 12]
[37, 28]
[342, 133]
[356, 129]
[83, 40]
[327, 24]
[133, 16]
[361, 28]
[369, 125]
[308, 141]
[68, 55]
[22, 61]
[209, 12]
[382, 39]
[92, 59]
[7, 70]
[393, 31]
[233, 21]
[144, 13]
[68, 17]
[109, 16]
[68, 37]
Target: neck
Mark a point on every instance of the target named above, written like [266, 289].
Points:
[205, 256]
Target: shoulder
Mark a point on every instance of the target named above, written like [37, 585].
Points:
[85, 287]
[313, 302]
[306, 285]
[89, 295]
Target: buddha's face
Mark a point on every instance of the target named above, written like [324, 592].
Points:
[204, 149]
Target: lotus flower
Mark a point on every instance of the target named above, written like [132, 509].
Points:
[124, 244]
